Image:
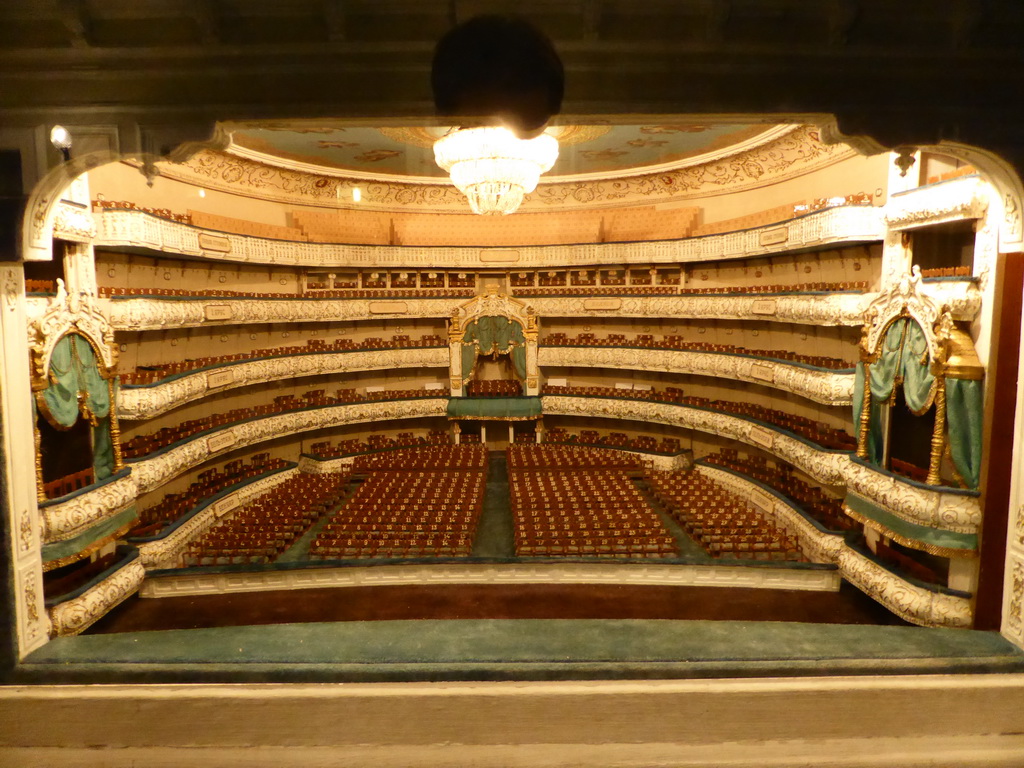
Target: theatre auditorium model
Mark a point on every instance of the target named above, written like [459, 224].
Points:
[706, 371]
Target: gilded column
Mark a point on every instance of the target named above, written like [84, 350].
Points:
[938, 433]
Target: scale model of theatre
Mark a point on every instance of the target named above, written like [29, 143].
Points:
[687, 377]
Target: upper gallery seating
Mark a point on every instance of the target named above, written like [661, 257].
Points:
[413, 503]
[964, 170]
[945, 272]
[824, 508]
[494, 388]
[817, 432]
[100, 204]
[656, 290]
[569, 502]
[141, 445]
[721, 522]
[151, 374]
[208, 483]
[262, 529]
[648, 341]
[525, 229]
[377, 293]
[245, 227]
[40, 286]
[749, 221]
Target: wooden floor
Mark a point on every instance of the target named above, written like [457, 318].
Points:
[533, 601]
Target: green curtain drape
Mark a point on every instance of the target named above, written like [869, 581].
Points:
[904, 353]
[487, 335]
[874, 419]
[73, 369]
[963, 415]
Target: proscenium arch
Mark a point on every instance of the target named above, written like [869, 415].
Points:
[42, 205]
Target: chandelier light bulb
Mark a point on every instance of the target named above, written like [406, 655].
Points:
[494, 169]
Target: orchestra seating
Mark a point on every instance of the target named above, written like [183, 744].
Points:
[824, 508]
[151, 374]
[262, 529]
[377, 442]
[648, 341]
[495, 388]
[413, 503]
[721, 522]
[580, 502]
[827, 437]
[62, 486]
[208, 483]
[142, 445]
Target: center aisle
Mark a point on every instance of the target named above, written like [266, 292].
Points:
[494, 536]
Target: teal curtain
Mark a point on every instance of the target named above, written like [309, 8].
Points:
[917, 375]
[487, 335]
[963, 415]
[73, 369]
[499, 409]
[874, 419]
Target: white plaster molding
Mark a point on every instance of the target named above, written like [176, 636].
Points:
[915, 604]
[913, 503]
[837, 309]
[833, 226]
[155, 471]
[817, 384]
[147, 402]
[935, 508]
[654, 574]
[160, 314]
[963, 298]
[77, 312]
[69, 518]
[954, 200]
[78, 614]
[164, 552]
[73, 223]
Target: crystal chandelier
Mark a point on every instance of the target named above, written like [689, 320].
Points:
[492, 167]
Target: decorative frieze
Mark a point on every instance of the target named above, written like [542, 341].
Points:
[72, 517]
[833, 226]
[817, 384]
[73, 222]
[147, 402]
[79, 613]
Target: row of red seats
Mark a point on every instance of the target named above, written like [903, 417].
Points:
[152, 373]
[393, 292]
[574, 507]
[648, 341]
[588, 437]
[531, 456]
[721, 522]
[442, 457]
[207, 483]
[62, 486]
[494, 388]
[827, 437]
[262, 529]
[100, 204]
[142, 445]
[823, 507]
[377, 442]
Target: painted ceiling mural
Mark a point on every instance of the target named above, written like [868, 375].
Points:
[408, 151]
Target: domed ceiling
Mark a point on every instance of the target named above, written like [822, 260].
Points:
[406, 153]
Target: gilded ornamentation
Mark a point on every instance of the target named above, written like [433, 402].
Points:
[147, 402]
[820, 385]
[66, 313]
[11, 287]
[69, 518]
[1015, 602]
[857, 223]
[76, 615]
[26, 538]
[798, 151]
[905, 297]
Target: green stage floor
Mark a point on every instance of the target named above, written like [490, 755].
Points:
[524, 649]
